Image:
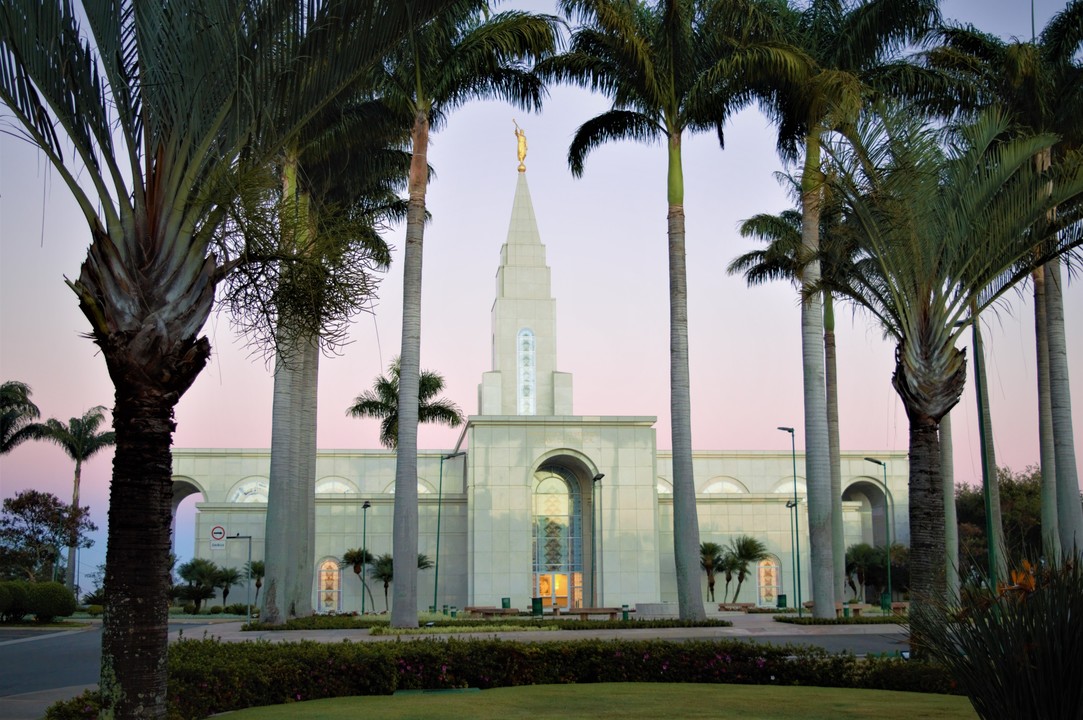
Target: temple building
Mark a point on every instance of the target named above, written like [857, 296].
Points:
[535, 501]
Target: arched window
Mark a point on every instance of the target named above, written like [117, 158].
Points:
[770, 581]
[558, 538]
[527, 372]
[330, 587]
[253, 490]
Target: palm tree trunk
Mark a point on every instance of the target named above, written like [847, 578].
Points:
[1047, 455]
[69, 574]
[927, 577]
[838, 530]
[817, 456]
[998, 570]
[134, 633]
[404, 613]
[951, 520]
[1069, 512]
[685, 516]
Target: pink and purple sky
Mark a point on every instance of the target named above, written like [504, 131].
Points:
[606, 240]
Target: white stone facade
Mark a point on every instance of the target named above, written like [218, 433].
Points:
[537, 502]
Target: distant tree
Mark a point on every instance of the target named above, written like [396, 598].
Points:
[1020, 508]
[225, 579]
[382, 402]
[862, 562]
[357, 559]
[201, 576]
[33, 527]
[710, 559]
[729, 567]
[80, 439]
[383, 569]
[17, 414]
[747, 550]
[254, 570]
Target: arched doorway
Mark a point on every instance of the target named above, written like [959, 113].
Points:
[874, 513]
[558, 532]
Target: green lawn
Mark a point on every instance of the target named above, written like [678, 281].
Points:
[630, 701]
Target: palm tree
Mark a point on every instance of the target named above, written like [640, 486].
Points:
[464, 54]
[710, 559]
[670, 68]
[848, 47]
[382, 402]
[781, 260]
[383, 569]
[861, 560]
[254, 571]
[357, 559]
[201, 575]
[1038, 83]
[945, 231]
[746, 551]
[17, 415]
[729, 567]
[80, 439]
[156, 117]
[225, 579]
[330, 210]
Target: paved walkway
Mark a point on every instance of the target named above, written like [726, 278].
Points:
[31, 706]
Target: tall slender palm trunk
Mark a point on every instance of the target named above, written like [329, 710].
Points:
[951, 518]
[1046, 452]
[1069, 512]
[404, 537]
[69, 573]
[991, 487]
[817, 454]
[927, 574]
[838, 530]
[685, 517]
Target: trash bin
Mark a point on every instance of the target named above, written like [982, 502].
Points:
[885, 601]
[454, 611]
[505, 603]
[845, 610]
[445, 608]
[623, 612]
[536, 606]
[782, 601]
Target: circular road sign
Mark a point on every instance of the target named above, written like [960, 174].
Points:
[218, 533]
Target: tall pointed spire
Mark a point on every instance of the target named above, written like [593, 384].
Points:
[524, 380]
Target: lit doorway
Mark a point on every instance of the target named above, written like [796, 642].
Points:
[558, 538]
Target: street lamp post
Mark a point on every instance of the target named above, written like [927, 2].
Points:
[887, 525]
[596, 538]
[248, 585]
[439, 509]
[796, 517]
[364, 548]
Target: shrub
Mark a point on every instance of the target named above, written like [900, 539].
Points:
[50, 600]
[190, 609]
[81, 707]
[234, 609]
[94, 610]
[209, 676]
[18, 603]
[215, 610]
[1016, 651]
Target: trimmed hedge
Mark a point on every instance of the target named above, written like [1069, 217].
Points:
[357, 622]
[209, 676]
[14, 600]
[863, 620]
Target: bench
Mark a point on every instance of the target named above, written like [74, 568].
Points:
[489, 612]
[900, 608]
[740, 607]
[855, 610]
[585, 613]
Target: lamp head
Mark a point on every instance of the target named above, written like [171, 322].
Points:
[786, 429]
[791, 504]
[366, 506]
[874, 461]
[598, 477]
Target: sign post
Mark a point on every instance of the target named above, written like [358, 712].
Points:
[218, 538]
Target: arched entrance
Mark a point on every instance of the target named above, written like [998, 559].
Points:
[874, 512]
[563, 543]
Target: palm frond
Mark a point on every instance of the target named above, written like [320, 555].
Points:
[611, 125]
